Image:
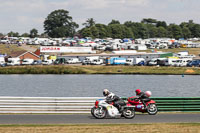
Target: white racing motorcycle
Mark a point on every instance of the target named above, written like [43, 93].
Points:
[103, 109]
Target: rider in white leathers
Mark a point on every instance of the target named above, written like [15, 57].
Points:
[111, 97]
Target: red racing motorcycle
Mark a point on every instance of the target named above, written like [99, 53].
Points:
[151, 105]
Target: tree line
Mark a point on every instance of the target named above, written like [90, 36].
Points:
[147, 28]
[60, 24]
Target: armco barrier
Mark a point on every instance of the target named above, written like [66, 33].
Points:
[184, 104]
[84, 104]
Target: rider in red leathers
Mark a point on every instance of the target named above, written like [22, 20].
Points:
[143, 97]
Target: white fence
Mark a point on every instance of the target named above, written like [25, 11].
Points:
[46, 104]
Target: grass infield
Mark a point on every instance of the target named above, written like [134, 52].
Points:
[103, 128]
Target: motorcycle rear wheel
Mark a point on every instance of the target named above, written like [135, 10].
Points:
[99, 112]
[152, 109]
[128, 113]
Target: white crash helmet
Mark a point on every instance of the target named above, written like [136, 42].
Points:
[105, 92]
[148, 93]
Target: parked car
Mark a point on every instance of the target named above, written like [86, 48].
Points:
[13, 61]
[60, 61]
[152, 62]
[195, 63]
[37, 62]
[47, 62]
[97, 62]
[73, 61]
[27, 61]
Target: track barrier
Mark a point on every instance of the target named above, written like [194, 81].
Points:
[84, 104]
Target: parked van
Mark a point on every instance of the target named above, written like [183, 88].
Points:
[97, 62]
[27, 62]
[152, 62]
[88, 60]
[73, 61]
[13, 61]
[136, 61]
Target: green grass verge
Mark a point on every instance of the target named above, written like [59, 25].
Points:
[103, 128]
[68, 69]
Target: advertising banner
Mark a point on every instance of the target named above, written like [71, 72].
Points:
[56, 49]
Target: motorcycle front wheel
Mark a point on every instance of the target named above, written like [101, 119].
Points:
[128, 113]
[152, 109]
[99, 112]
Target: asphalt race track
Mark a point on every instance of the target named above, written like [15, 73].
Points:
[87, 118]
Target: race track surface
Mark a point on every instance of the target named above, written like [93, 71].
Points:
[87, 118]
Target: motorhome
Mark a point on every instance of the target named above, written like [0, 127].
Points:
[13, 61]
[182, 62]
[171, 61]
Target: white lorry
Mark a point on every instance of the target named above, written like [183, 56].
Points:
[73, 61]
[13, 61]
[27, 61]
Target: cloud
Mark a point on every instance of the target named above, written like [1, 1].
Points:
[23, 15]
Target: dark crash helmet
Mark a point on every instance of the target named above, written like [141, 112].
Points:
[106, 92]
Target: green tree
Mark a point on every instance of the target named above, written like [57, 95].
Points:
[116, 31]
[59, 24]
[86, 32]
[174, 31]
[149, 21]
[13, 34]
[195, 30]
[186, 32]
[94, 31]
[161, 23]
[89, 22]
[114, 22]
[152, 31]
[161, 32]
[44, 35]
[25, 35]
[33, 33]
[102, 29]
[1, 34]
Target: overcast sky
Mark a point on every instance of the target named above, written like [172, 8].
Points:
[23, 15]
